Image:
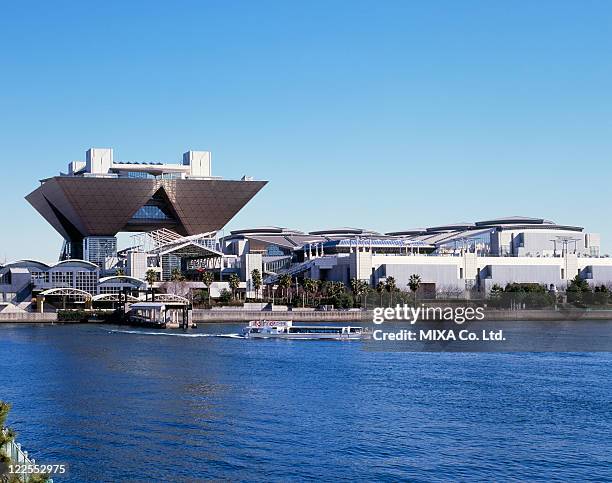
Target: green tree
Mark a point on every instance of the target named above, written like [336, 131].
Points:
[356, 287]
[530, 295]
[391, 287]
[414, 282]
[207, 279]
[151, 277]
[496, 296]
[257, 281]
[601, 295]
[334, 289]
[285, 284]
[9, 435]
[176, 275]
[365, 290]
[225, 296]
[342, 300]
[119, 272]
[359, 288]
[310, 286]
[234, 283]
[577, 290]
[380, 288]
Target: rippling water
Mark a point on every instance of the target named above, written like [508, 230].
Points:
[127, 405]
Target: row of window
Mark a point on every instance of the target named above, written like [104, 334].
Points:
[84, 280]
[144, 175]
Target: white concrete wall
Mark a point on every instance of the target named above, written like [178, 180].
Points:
[137, 265]
[557, 270]
[601, 275]
[99, 160]
[439, 274]
[361, 265]
[250, 262]
[540, 242]
[200, 163]
[75, 166]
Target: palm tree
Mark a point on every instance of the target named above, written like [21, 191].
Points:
[365, 289]
[151, 277]
[234, 283]
[335, 288]
[391, 287]
[285, 284]
[119, 272]
[256, 279]
[323, 288]
[380, 288]
[310, 286]
[414, 282]
[207, 280]
[358, 287]
[177, 275]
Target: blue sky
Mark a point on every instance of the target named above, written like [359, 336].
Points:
[387, 115]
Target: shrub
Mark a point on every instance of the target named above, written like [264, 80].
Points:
[225, 296]
[342, 301]
[71, 315]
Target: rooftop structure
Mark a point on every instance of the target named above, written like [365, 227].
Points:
[344, 231]
[101, 197]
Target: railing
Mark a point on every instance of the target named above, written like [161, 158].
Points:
[17, 456]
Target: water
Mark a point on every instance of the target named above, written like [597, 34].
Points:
[119, 405]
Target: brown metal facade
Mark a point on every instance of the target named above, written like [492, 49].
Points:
[79, 207]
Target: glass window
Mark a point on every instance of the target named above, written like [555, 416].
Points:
[62, 279]
[150, 213]
[87, 281]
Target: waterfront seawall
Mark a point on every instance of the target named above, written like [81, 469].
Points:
[216, 316]
[28, 317]
[203, 315]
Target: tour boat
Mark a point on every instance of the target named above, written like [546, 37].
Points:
[284, 329]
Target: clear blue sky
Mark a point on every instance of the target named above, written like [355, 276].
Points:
[383, 114]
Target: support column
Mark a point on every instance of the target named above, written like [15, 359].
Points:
[40, 304]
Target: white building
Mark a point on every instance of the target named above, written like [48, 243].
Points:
[456, 257]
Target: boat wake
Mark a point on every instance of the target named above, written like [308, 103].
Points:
[170, 334]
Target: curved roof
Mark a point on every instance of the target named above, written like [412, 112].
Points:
[46, 266]
[413, 231]
[344, 231]
[75, 262]
[112, 297]
[515, 220]
[28, 263]
[119, 278]
[450, 227]
[267, 230]
[375, 242]
[169, 298]
[66, 291]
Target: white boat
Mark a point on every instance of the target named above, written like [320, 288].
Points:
[284, 329]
